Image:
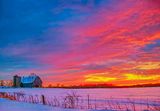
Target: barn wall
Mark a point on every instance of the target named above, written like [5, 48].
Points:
[27, 85]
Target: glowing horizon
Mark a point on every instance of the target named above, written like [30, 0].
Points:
[81, 41]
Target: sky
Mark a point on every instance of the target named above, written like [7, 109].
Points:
[74, 42]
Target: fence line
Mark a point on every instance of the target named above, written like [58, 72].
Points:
[74, 101]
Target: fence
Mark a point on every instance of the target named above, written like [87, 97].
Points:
[74, 101]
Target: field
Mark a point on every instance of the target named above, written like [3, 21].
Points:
[120, 99]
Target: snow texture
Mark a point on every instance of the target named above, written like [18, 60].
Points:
[28, 79]
[8, 105]
[141, 97]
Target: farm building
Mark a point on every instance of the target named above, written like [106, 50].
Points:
[27, 81]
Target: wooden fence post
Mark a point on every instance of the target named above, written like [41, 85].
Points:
[43, 100]
[88, 101]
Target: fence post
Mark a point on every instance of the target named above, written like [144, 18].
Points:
[95, 104]
[43, 100]
[88, 101]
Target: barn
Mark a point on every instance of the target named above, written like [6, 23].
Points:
[28, 81]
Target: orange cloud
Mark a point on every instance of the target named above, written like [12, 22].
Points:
[98, 78]
[107, 41]
[148, 65]
[141, 77]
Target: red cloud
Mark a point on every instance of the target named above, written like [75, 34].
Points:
[118, 34]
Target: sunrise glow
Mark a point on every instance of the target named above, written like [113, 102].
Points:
[141, 77]
[98, 78]
[81, 42]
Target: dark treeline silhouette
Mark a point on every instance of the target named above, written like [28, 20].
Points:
[104, 86]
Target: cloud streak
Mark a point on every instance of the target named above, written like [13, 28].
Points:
[85, 38]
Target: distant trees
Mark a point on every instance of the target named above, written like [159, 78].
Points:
[50, 86]
[6, 83]
[1, 83]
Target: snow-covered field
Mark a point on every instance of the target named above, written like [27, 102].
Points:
[8, 105]
[109, 98]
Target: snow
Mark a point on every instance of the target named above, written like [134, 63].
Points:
[8, 105]
[98, 97]
[21, 106]
[28, 79]
[99, 93]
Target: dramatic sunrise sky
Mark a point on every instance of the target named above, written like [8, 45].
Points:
[81, 41]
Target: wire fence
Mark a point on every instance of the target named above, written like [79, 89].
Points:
[75, 101]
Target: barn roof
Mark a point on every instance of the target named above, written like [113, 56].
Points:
[28, 79]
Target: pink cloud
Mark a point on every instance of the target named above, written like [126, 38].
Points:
[108, 35]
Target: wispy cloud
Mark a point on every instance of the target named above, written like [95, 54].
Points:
[67, 40]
